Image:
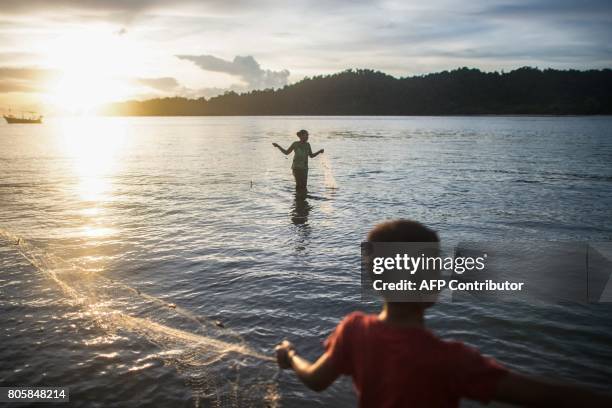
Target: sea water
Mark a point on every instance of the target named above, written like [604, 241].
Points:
[159, 260]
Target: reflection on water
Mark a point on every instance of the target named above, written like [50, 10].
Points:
[92, 145]
[93, 231]
[300, 210]
[91, 211]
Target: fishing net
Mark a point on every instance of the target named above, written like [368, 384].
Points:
[328, 173]
[221, 369]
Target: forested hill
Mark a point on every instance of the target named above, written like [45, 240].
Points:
[366, 92]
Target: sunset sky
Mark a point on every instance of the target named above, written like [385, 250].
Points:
[72, 56]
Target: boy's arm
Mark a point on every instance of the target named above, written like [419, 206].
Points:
[317, 376]
[523, 390]
[287, 151]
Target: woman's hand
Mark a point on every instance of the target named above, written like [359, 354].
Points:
[321, 151]
[275, 145]
[283, 354]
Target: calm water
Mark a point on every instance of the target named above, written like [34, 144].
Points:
[124, 241]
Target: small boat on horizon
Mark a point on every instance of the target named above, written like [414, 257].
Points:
[31, 118]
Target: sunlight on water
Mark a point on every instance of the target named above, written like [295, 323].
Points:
[93, 231]
[90, 212]
[93, 146]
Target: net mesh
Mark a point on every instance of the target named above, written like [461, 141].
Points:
[328, 173]
[220, 368]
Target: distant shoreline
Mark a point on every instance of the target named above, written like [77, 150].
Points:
[461, 92]
[518, 115]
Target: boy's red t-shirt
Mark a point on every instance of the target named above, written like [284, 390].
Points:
[409, 367]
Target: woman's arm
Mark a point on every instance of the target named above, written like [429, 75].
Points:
[289, 150]
[526, 391]
[317, 376]
[313, 155]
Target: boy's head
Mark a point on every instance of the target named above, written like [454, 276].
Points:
[409, 231]
[303, 135]
[402, 231]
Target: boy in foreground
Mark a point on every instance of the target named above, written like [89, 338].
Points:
[395, 361]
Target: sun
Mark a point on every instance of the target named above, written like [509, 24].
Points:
[91, 67]
[84, 92]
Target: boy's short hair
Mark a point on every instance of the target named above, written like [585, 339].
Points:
[408, 231]
[402, 231]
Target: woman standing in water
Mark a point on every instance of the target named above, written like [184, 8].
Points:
[300, 159]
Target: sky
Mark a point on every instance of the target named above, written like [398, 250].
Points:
[72, 56]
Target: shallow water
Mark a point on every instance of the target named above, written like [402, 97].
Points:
[125, 243]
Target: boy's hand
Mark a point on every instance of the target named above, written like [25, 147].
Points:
[282, 354]
[275, 144]
[322, 151]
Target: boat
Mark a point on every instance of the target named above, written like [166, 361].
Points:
[30, 118]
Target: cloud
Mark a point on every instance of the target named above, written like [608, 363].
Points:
[31, 80]
[246, 68]
[7, 85]
[18, 58]
[551, 8]
[169, 86]
[124, 11]
[164, 84]
[26, 73]
[27, 6]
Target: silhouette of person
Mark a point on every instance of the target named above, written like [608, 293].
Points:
[302, 151]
